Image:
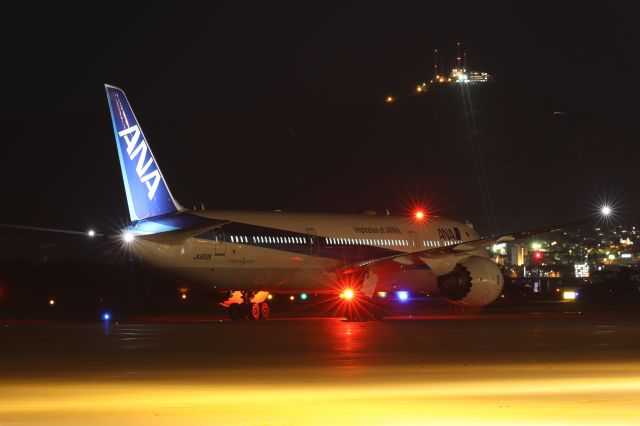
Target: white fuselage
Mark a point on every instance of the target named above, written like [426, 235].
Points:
[294, 252]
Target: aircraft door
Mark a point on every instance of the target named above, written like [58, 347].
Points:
[220, 245]
[314, 244]
[414, 242]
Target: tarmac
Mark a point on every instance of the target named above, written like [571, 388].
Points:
[554, 366]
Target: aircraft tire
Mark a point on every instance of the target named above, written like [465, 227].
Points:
[254, 311]
[378, 314]
[235, 312]
[264, 311]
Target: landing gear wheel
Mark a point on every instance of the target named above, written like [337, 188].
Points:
[235, 312]
[378, 314]
[353, 317]
[264, 311]
[254, 311]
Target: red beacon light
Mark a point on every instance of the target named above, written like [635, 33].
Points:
[347, 294]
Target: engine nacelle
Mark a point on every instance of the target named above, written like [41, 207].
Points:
[475, 281]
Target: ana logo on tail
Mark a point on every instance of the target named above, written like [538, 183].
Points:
[135, 149]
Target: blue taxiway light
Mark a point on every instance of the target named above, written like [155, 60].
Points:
[403, 296]
[303, 296]
[106, 316]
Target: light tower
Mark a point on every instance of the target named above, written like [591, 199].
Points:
[458, 56]
[436, 72]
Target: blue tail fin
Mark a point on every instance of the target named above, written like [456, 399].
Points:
[148, 194]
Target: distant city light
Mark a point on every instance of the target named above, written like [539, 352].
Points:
[569, 295]
[581, 270]
[183, 296]
[303, 296]
[127, 237]
[91, 233]
[606, 210]
[403, 295]
[52, 302]
[389, 99]
[461, 77]
[499, 248]
[292, 297]
[106, 316]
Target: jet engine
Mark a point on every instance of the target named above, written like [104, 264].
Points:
[475, 281]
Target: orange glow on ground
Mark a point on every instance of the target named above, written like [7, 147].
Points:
[584, 394]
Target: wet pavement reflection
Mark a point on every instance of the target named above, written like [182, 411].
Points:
[560, 368]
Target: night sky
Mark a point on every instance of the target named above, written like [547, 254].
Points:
[273, 105]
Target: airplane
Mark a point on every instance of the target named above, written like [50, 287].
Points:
[249, 255]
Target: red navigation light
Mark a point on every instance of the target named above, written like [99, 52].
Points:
[419, 215]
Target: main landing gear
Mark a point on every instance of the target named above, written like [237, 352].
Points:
[249, 309]
[358, 308]
[364, 314]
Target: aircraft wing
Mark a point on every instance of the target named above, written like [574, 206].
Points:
[39, 229]
[445, 256]
[18, 241]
